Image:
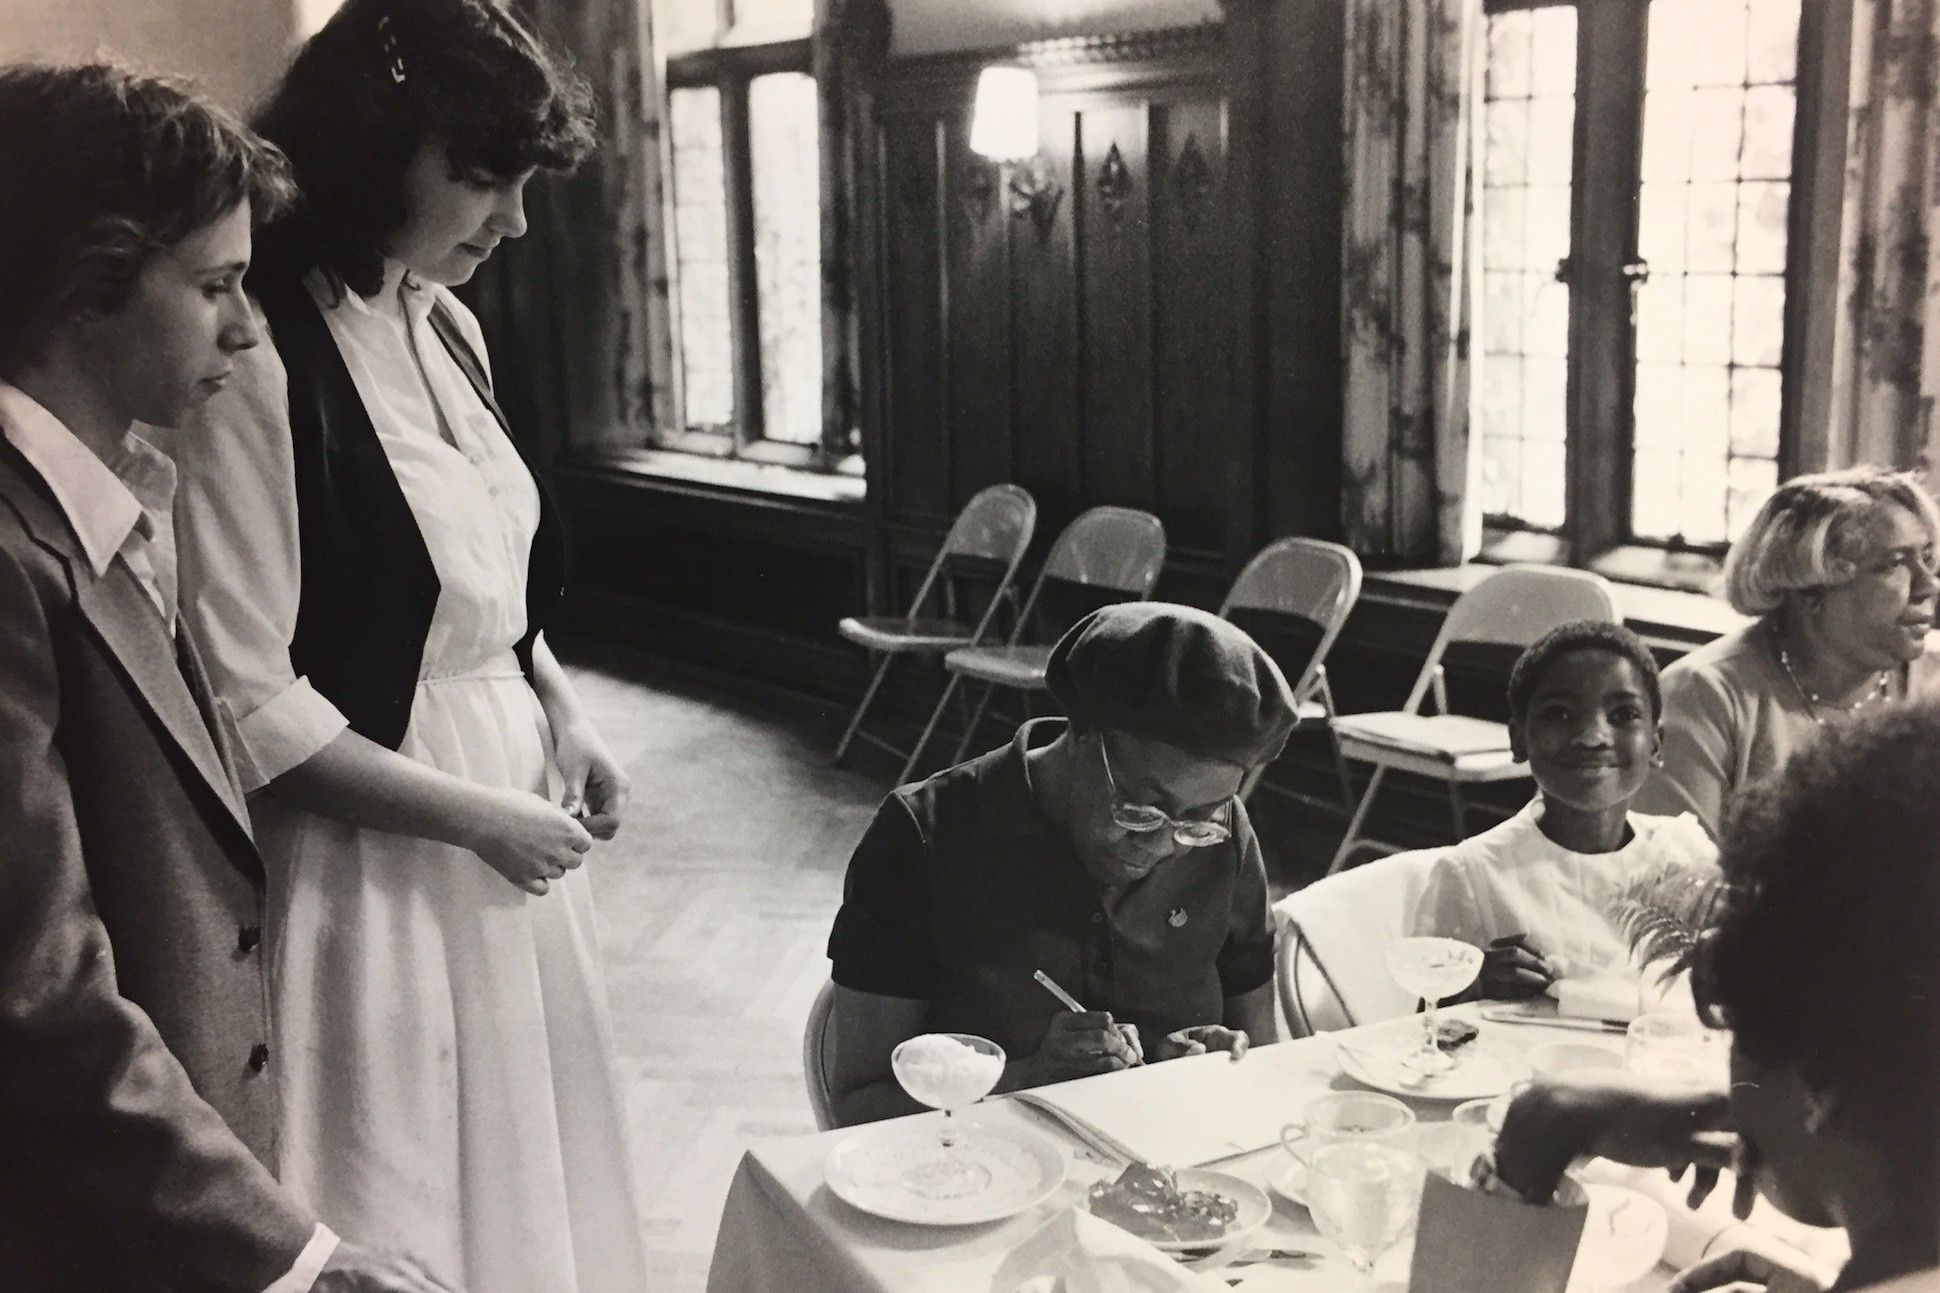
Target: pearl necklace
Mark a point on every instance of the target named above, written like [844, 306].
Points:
[1814, 702]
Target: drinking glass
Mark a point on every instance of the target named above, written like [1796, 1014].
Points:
[1363, 1195]
[1344, 1116]
[947, 1071]
[1452, 1147]
[1674, 1046]
[1432, 968]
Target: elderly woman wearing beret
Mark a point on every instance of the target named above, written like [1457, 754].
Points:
[1108, 849]
[1838, 568]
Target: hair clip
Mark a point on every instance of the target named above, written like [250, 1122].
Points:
[389, 38]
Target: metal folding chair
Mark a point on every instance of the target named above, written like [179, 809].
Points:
[815, 1056]
[995, 527]
[1331, 942]
[1317, 583]
[1510, 609]
[1115, 549]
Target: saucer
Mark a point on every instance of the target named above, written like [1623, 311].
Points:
[1289, 1181]
[871, 1169]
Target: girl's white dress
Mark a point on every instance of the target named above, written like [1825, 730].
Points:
[1513, 879]
[442, 1037]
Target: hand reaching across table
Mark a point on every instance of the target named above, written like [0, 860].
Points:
[1556, 1121]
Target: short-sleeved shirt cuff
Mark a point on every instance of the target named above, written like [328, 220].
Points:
[301, 1277]
[1246, 972]
[285, 731]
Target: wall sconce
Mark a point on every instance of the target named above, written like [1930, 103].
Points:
[1003, 128]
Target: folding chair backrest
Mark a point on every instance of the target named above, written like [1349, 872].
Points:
[1312, 579]
[1512, 608]
[1332, 940]
[816, 1056]
[1120, 549]
[1110, 547]
[994, 526]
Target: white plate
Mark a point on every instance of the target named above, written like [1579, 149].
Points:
[1484, 1067]
[1254, 1208]
[1623, 1237]
[869, 1171]
[1289, 1181]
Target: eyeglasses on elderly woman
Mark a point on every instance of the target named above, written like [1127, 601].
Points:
[1143, 819]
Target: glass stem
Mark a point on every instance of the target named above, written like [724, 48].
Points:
[949, 1130]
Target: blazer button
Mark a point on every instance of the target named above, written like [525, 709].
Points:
[248, 938]
[259, 1057]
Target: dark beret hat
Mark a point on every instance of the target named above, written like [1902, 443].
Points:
[1177, 675]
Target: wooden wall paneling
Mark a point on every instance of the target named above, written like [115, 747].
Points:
[1248, 85]
[1195, 437]
[915, 474]
[977, 329]
[869, 361]
[1115, 254]
[1047, 433]
[1302, 45]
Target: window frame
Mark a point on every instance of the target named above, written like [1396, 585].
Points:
[730, 70]
[1605, 184]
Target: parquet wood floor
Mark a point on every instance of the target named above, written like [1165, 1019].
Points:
[714, 906]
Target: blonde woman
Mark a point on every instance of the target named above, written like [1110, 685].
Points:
[1838, 568]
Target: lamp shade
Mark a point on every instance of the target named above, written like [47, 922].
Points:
[1004, 125]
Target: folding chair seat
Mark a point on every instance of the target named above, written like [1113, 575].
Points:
[994, 528]
[1506, 611]
[1114, 550]
[1315, 583]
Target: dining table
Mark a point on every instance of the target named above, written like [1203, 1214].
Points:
[783, 1230]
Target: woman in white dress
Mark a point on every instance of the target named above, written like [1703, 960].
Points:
[371, 561]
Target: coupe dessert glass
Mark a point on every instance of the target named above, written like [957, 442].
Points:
[1432, 968]
[947, 1071]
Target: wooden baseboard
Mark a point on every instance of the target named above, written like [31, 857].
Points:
[721, 646]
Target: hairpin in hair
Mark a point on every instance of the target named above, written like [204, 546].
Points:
[391, 52]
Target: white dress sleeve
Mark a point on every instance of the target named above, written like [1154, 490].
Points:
[1449, 906]
[241, 568]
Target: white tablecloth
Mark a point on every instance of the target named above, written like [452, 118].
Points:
[783, 1231]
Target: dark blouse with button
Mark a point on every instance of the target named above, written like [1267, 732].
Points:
[962, 887]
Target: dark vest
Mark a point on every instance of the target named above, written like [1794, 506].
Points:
[369, 588]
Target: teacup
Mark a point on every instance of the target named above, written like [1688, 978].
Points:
[1675, 1047]
[1344, 1116]
[1553, 1058]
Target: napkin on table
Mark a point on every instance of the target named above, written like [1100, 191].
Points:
[1075, 1252]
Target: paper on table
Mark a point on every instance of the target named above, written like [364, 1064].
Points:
[1182, 1113]
[1463, 1234]
[1600, 997]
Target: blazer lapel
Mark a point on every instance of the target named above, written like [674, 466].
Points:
[132, 629]
[128, 625]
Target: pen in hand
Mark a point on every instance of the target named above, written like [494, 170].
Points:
[1070, 1003]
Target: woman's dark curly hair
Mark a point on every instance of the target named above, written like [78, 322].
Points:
[1826, 954]
[101, 168]
[381, 77]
